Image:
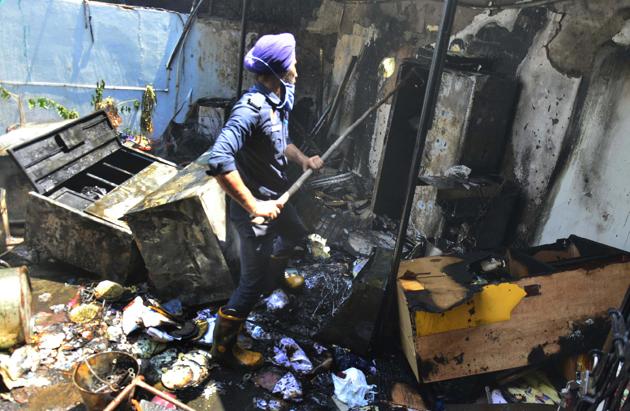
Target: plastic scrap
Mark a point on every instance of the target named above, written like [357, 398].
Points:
[458, 171]
[163, 403]
[289, 387]
[270, 405]
[347, 359]
[189, 371]
[358, 265]
[174, 307]
[17, 369]
[496, 397]
[206, 338]
[257, 332]
[318, 248]
[84, 313]
[277, 300]
[136, 315]
[145, 348]
[151, 406]
[289, 354]
[160, 363]
[44, 297]
[158, 335]
[108, 291]
[51, 341]
[534, 388]
[352, 388]
[205, 314]
[58, 308]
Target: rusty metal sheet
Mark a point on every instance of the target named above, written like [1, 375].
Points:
[133, 191]
[180, 230]
[56, 230]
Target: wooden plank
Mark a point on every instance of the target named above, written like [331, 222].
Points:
[405, 395]
[540, 325]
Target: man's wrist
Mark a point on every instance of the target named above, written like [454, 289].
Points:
[250, 205]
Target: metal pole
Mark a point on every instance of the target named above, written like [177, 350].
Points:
[428, 108]
[241, 55]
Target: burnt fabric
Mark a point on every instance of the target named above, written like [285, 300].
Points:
[253, 142]
[272, 54]
[258, 242]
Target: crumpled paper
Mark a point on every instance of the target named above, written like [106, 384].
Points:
[277, 300]
[289, 387]
[352, 389]
[289, 354]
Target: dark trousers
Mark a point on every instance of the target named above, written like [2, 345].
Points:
[257, 243]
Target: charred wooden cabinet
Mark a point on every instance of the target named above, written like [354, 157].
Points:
[490, 311]
[471, 121]
[182, 233]
[84, 180]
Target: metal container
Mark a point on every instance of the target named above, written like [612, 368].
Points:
[93, 377]
[83, 181]
[181, 232]
[15, 307]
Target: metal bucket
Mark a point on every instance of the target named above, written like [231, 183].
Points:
[15, 307]
[92, 377]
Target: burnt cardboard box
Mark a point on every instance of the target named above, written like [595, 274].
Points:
[490, 311]
[181, 230]
[83, 181]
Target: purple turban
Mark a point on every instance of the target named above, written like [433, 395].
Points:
[276, 50]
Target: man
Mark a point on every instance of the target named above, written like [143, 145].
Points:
[249, 160]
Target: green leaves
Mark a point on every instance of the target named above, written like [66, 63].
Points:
[47, 104]
[5, 94]
[97, 98]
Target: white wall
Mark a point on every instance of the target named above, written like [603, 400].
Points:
[592, 198]
[48, 52]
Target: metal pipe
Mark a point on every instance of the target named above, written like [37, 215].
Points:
[75, 85]
[428, 108]
[241, 55]
[182, 38]
[308, 173]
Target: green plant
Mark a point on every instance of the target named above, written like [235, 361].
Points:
[97, 98]
[47, 104]
[149, 101]
[124, 108]
[7, 95]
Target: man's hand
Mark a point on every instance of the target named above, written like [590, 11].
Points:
[314, 163]
[267, 209]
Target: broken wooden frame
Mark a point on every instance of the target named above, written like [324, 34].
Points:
[555, 303]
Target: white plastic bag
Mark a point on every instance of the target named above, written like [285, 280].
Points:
[353, 390]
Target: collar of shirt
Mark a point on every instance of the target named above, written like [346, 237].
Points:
[273, 99]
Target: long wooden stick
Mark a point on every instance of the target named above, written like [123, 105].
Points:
[308, 173]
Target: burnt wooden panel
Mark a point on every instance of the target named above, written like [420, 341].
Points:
[566, 315]
[52, 159]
